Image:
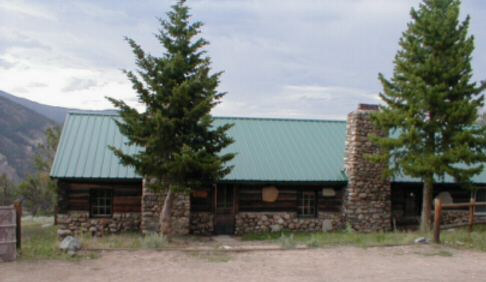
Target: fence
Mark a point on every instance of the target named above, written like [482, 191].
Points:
[10, 231]
[438, 213]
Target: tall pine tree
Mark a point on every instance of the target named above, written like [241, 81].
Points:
[431, 105]
[181, 145]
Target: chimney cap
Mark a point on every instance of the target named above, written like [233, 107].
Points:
[368, 107]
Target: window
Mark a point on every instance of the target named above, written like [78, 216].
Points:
[307, 203]
[101, 202]
[481, 197]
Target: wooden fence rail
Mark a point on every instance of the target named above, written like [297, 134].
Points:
[438, 213]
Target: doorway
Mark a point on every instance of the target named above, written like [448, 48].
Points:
[225, 217]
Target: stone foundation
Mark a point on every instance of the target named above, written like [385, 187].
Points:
[367, 199]
[152, 204]
[202, 223]
[248, 222]
[77, 222]
[458, 216]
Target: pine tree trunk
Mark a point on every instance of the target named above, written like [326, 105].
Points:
[427, 205]
[165, 215]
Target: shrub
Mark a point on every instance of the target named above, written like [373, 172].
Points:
[153, 241]
[287, 242]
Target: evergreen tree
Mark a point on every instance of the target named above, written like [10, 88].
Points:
[431, 106]
[7, 191]
[38, 192]
[181, 145]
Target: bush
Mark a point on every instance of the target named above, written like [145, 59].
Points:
[313, 242]
[287, 242]
[154, 241]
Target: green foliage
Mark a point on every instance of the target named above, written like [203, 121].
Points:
[313, 242]
[41, 243]
[342, 238]
[178, 92]
[154, 241]
[8, 192]
[38, 192]
[287, 242]
[431, 107]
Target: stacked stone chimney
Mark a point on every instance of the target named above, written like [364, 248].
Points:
[367, 197]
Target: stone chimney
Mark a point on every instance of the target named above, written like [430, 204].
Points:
[367, 202]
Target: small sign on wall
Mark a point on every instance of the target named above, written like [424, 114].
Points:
[269, 194]
[328, 192]
[199, 194]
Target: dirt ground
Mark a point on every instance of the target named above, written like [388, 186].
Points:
[404, 263]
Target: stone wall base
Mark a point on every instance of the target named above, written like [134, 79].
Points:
[248, 222]
[77, 222]
[202, 223]
[152, 204]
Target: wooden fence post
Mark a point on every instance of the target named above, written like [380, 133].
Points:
[471, 215]
[18, 228]
[437, 213]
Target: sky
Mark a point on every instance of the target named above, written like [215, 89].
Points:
[281, 58]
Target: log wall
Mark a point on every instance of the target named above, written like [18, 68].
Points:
[250, 199]
[127, 197]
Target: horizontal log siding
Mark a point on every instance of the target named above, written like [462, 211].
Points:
[250, 199]
[331, 204]
[400, 191]
[127, 197]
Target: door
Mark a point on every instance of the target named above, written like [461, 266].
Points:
[225, 218]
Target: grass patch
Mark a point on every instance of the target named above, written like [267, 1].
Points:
[212, 257]
[154, 241]
[344, 238]
[41, 243]
[287, 242]
[441, 254]
[460, 238]
[124, 240]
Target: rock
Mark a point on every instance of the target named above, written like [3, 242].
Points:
[422, 240]
[275, 228]
[445, 197]
[327, 225]
[70, 243]
[451, 230]
[459, 243]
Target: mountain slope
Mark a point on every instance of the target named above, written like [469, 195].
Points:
[21, 130]
[57, 114]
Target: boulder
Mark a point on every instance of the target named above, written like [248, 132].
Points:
[70, 243]
[275, 228]
[422, 240]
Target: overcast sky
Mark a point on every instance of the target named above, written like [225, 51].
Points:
[281, 58]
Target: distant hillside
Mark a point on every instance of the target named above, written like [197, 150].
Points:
[57, 114]
[21, 130]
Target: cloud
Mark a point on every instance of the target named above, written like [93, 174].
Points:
[27, 9]
[37, 84]
[5, 64]
[76, 84]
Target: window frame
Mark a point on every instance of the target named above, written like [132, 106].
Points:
[105, 201]
[478, 198]
[308, 209]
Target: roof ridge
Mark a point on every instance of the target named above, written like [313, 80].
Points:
[223, 117]
[281, 119]
[91, 113]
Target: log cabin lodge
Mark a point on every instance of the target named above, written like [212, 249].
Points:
[289, 174]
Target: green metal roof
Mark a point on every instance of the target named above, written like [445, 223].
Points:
[268, 150]
[83, 153]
